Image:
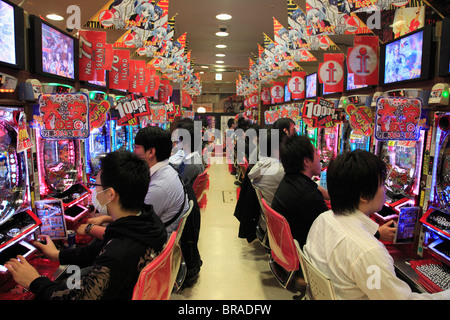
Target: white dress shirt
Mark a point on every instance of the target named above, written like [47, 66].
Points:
[344, 248]
[166, 194]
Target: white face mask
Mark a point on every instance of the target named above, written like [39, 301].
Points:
[97, 205]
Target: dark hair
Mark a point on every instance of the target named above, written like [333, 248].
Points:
[283, 123]
[294, 150]
[353, 175]
[155, 137]
[184, 121]
[128, 175]
[188, 128]
[230, 122]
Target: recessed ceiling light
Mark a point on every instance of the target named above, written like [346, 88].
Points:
[220, 61]
[204, 67]
[220, 55]
[223, 16]
[222, 34]
[55, 17]
[202, 72]
[221, 46]
[220, 70]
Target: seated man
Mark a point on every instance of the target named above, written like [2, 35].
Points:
[131, 240]
[190, 164]
[166, 191]
[341, 242]
[268, 172]
[298, 198]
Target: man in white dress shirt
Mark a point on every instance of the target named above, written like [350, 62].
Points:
[166, 192]
[341, 241]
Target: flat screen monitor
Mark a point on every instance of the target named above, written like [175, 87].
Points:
[407, 58]
[311, 85]
[54, 52]
[287, 94]
[444, 52]
[12, 30]
[351, 84]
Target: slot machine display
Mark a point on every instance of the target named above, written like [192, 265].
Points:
[18, 223]
[327, 144]
[133, 130]
[434, 241]
[120, 136]
[60, 170]
[357, 127]
[437, 217]
[402, 155]
[99, 142]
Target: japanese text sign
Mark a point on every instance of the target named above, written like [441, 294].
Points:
[398, 118]
[64, 116]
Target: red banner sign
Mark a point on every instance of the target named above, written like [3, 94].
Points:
[321, 112]
[361, 119]
[118, 76]
[96, 56]
[362, 60]
[98, 113]
[331, 72]
[130, 109]
[296, 85]
[64, 116]
[277, 92]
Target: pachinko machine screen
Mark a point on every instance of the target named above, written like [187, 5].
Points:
[13, 175]
[97, 146]
[403, 161]
[59, 165]
[327, 144]
[440, 191]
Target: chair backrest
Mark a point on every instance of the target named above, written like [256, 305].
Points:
[320, 287]
[258, 195]
[182, 222]
[200, 183]
[281, 242]
[157, 279]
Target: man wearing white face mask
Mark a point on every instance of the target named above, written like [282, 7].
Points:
[165, 192]
[134, 237]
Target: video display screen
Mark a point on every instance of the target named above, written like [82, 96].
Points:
[351, 84]
[311, 85]
[7, 34]
[57, 53]
[403, 58]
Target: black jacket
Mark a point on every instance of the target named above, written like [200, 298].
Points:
[299, 200]
[114, 263]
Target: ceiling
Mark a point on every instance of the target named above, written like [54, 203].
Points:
[250, 20]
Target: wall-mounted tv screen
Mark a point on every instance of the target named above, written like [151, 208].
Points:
[351, 84]
[407, 58]
[287, 94]
[12, 47]
[55, 52]
[311, 85]
[444, 52]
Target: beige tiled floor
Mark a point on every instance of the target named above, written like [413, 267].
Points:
[232, 268]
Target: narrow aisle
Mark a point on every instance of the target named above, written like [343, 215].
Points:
[232, 268]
